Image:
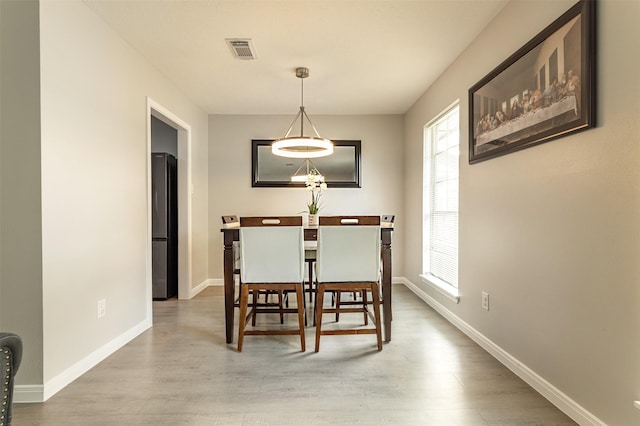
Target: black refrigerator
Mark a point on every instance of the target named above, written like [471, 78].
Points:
[164, 200]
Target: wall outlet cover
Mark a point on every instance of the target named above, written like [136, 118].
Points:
[102, 308]
[485, 300]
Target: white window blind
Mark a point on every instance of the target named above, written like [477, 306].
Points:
[442, 151]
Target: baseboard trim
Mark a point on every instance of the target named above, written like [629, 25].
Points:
[197, 289]
[40, 393]
[28, 393]
[215, 282]
[567, 405]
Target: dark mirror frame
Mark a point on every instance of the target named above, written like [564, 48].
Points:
[256, 181]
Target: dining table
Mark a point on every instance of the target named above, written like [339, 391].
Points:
[231, 235]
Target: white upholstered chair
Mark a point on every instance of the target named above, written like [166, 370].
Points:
[271, 259]
[348, 260]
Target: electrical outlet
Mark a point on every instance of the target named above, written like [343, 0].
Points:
[485, 300]
[636, 404]
[102, 308]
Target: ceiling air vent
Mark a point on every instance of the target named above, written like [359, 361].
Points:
[242, 48]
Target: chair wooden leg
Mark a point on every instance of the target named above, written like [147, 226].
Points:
[376, 313]
[242, 320]
[256, 295]
[319, 303]
[315, 306]
[301, 314]
[280, 306]
[365, 307]
[338, 297]
[310, 281]
[304, 304]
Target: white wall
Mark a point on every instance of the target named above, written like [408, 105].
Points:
[230, 190]
[94, 190]
[552, 232]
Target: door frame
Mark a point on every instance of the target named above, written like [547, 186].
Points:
[184, 198]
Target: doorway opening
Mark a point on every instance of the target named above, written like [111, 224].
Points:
[164, 210]
[183, 156]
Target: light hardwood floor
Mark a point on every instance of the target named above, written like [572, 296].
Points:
[181, 372]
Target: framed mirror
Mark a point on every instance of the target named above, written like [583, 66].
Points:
[340, 169]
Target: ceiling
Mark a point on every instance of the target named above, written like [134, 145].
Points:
[364, 56]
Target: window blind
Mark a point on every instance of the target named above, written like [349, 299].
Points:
[441, 191]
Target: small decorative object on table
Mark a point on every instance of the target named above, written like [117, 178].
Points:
[315, 185]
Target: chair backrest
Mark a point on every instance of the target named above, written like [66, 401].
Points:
[231, 221]
[386, 221]
[271, 249]
[348, 249]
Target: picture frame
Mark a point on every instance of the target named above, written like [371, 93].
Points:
[342, 169]
[545, 90]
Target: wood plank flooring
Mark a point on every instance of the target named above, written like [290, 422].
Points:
[181, 372]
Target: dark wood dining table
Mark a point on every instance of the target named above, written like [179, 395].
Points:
[310, 234]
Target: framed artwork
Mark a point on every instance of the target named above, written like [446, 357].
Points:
[340, 169]
[543, 91]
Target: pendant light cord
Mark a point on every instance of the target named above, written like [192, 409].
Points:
[302, 106]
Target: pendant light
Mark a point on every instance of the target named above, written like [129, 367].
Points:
[302, 146]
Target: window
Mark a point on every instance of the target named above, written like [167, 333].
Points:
[440, 198]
